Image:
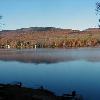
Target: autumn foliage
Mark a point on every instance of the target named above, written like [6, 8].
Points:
[49, 37]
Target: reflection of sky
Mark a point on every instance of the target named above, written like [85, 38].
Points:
[60, 77]
[50, 55]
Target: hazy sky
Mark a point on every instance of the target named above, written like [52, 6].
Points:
[75, 14]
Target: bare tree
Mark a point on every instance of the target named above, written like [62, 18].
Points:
[0, 22]
[98, 8]
[98, 11]
[0, 17]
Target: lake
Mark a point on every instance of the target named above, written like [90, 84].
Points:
[59, 70]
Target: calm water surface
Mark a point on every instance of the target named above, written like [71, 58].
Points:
[60, 70]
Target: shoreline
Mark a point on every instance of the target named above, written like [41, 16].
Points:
[18, 92]
[49, 48]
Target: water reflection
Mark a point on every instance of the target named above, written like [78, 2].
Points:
[50, 55]
[62, 77]
[69, 69]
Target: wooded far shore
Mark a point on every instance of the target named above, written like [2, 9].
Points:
[49, 37]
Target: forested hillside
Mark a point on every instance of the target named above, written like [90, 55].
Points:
[49, 37]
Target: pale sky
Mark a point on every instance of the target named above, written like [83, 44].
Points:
[73, 14]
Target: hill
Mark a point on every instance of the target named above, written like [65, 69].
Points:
[49, 37]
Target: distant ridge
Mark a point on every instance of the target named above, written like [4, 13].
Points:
[35, 29]
[40, 29]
